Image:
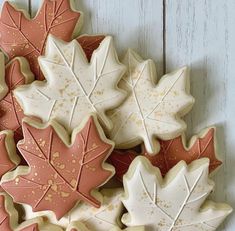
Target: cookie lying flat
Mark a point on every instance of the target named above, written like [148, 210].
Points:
[78, 226]
[8, 157]
[17, 72]
[171, 152]
[150, 111]
[18, 37]
[99, 219]
[61, 172]
[9, 219]
[176, 203]
[74, 87]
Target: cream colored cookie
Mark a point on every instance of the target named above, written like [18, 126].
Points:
[74, 87]
[99, 219]
[78, 226]
[177, 202]
[151, 111]
[3, 86]
[37, 225]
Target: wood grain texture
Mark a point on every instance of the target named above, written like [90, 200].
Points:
[132, 23]
[198, 33]
[201, 34]
[22, 4]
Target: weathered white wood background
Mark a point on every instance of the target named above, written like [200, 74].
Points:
[197, 33]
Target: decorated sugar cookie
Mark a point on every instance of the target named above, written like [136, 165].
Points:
[17, 72]
[8, 157]
[90, 43]
[99, 219]
[107, 217]
[9, 219]
[74, 87]
[78, 226]
[57, 17]
[150, 111]
[37, 225]
[61, 172]
[171, 152]
[18, 37]
[176, 203]
[203, 145]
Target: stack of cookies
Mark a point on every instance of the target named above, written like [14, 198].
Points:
[91, 143]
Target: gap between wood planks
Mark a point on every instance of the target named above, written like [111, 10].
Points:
[30, 7]
[164, 36]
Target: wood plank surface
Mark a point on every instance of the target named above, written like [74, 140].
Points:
[201, 34]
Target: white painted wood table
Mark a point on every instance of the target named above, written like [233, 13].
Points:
[197, 33]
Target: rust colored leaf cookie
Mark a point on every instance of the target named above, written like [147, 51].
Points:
[4, 216]
[89, 43]
[121, 160]
[9, 218]
[18, 37]
[171, 152]
[17, 72]
[60, 173]
[8, 157]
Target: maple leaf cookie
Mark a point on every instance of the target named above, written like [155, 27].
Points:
[8, 157]
[150, 111]
[18, 37]
[9, 219]
[104, 218]
[60, 173]
[74, 87]
[171, 152]
[78, 226]
[17, 72]
[176, 203]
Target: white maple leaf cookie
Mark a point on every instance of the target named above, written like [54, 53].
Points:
[177, 203]
[99, 219]
[150, 111]
[74, 87]
[78, 226]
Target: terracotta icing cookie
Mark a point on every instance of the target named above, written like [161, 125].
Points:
[78, 226]
[90, 43]
[74, 87]
[18, 37]
[17, 72]
[9, 219]
[176, 203]
[150, 111]
[8, 157]
[61, 172]
[171, 152]
[99, 219]
[3, 86]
